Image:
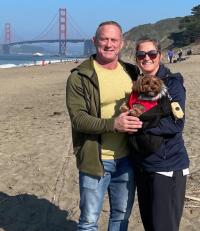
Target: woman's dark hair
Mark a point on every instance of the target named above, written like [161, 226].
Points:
[148, 39]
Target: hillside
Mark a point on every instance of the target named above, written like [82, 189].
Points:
[159, 30]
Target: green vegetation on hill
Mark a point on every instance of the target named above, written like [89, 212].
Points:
[160, 30]
[171, 32]
[190, 26]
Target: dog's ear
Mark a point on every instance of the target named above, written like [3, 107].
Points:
[137, 85]
[134, 87]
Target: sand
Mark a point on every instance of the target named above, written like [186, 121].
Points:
[38, 175]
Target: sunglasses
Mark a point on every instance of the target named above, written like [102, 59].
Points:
[140, 55]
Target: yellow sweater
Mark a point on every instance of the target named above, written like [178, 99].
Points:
[114, 86]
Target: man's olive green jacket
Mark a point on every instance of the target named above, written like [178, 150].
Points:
[83, 103]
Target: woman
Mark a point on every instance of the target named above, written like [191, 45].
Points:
[161, 176]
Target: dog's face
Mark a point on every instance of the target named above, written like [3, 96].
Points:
[148, 85]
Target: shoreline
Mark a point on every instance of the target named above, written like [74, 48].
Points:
[42, 62]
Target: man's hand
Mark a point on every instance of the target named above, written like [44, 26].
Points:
[126, 123]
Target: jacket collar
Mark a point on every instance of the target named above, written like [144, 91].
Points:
[163, 71]
[87, 70]
[87, 67]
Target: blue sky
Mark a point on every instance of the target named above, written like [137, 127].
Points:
[28, 18]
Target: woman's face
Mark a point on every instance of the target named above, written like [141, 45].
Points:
[148, 58]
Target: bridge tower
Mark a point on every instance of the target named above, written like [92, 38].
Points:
[7, 31]
[62, 31]
[89, 48]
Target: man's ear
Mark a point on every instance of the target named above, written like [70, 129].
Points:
[94, 40]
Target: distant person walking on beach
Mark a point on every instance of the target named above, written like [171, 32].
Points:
[161, 174]
[95, 90]
[180, 53]
[170, 55]
[189, 51]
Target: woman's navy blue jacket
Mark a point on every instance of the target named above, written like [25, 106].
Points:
[172, 154]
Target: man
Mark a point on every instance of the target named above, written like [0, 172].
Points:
[95, 91]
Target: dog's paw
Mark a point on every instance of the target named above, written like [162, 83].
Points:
[124, 107]
[137, 110]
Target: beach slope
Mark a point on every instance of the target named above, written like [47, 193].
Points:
[38, 175]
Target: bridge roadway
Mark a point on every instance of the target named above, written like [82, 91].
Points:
[48, 41]
[88, 44]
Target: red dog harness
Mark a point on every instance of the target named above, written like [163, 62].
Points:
[133, 99]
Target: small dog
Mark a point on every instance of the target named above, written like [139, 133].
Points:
[146, 91]
[150, 102]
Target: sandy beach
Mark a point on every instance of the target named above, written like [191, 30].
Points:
[38, 175]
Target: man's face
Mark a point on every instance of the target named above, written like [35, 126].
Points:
[108, 43]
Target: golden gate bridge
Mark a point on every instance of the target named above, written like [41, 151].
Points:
[62, 38]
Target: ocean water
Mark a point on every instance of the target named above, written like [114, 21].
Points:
[8, 61]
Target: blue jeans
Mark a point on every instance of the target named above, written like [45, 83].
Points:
[118, 181]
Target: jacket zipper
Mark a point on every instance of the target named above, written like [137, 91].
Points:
[165, 156]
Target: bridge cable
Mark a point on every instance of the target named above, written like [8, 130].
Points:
[76, 26]
[46, 28]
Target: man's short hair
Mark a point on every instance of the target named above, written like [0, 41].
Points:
[108, 23]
